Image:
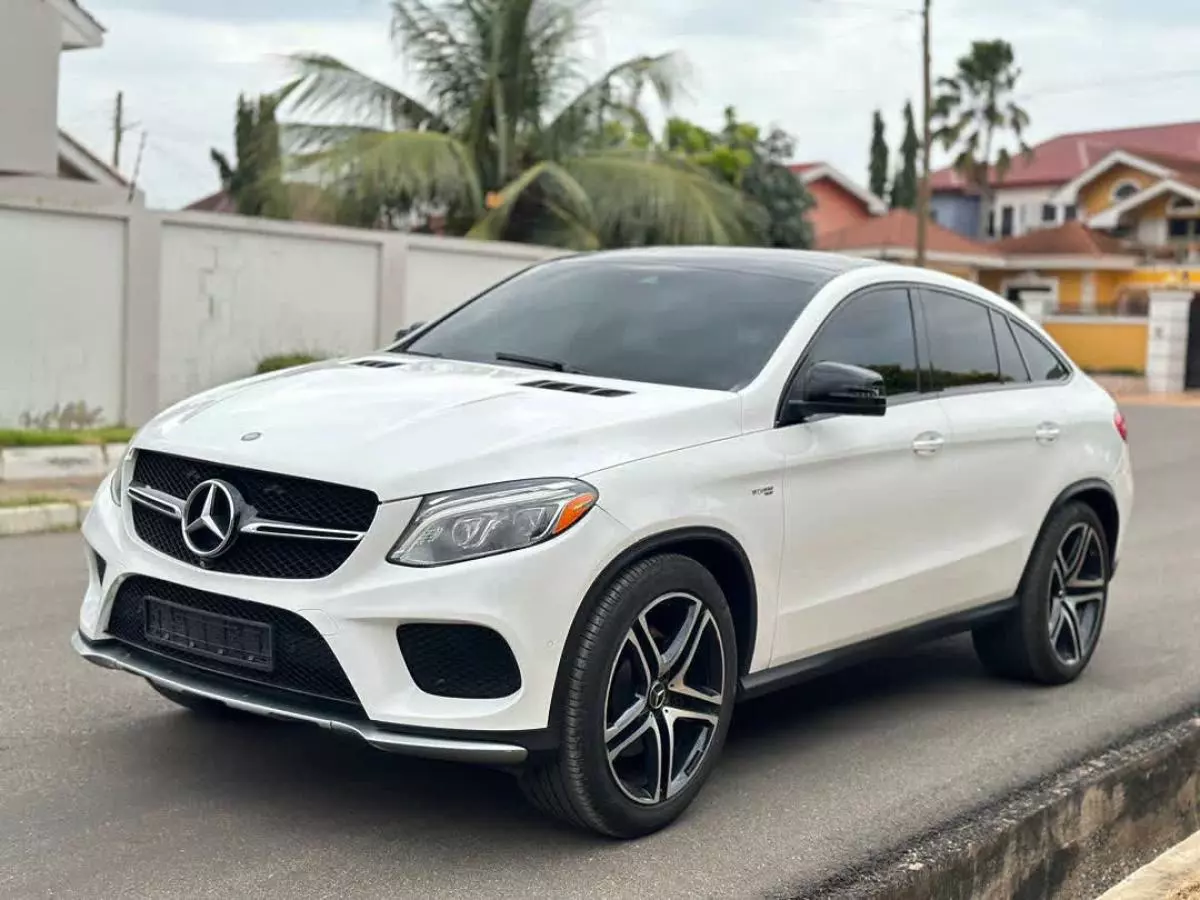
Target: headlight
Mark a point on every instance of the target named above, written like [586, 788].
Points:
[462, 525]
[117, 482]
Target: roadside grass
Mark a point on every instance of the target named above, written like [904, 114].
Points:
[30, 500]
[36, 437]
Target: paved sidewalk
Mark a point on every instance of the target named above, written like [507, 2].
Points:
[68, 490]
[1173, 876]
[1187, 398]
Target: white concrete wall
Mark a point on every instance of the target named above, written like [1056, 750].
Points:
[30, 38]
[62, 294]
[441, 273]
[232, 296]
[130, 309]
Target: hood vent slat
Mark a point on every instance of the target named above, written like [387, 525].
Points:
[377, 363]
[567, 387]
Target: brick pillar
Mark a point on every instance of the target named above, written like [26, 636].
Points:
[1166, 353]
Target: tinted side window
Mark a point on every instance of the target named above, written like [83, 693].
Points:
[962, 350]
[873, 330]
[1044, 364]
[1012, 367]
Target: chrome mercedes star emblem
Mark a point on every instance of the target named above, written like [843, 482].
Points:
[210, 518]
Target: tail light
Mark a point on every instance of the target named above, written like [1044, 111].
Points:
[1119, 424]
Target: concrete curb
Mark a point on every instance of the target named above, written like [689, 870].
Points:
[1174, 874]
[1060, 837]
[67, 461]
[42, 518]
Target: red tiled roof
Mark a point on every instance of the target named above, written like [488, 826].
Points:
[801, 167]
[219, 202]
[1060, 159]
[1072, 238]
[898, 229]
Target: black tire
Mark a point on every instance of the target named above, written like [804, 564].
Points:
[578, 784]
[203, 706]
[1023, 645]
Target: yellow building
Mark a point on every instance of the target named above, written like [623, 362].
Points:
[1138, 228]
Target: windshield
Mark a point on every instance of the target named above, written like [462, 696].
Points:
[662, 323]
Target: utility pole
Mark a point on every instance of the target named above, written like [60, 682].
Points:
[137, 168]
[926, 141]
[118, 129]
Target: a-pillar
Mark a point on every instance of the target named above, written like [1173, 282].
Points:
[1167, 336]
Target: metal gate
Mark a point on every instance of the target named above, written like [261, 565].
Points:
[1191, 378]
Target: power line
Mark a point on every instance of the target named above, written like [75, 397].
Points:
[1121, 82]
[854, 4]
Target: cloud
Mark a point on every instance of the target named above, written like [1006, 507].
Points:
[817, 68]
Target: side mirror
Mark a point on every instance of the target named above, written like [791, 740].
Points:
[404, 332]
[835, 388]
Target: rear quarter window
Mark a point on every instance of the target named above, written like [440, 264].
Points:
[1044, 364]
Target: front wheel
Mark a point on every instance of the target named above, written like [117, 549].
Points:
[1051, 635]
[648, 700]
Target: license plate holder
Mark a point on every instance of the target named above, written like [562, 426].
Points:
[237, 642]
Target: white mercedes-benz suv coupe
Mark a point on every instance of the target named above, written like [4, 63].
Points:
[565, 527]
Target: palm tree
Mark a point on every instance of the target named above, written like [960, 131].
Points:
[975, 108]
[506, 135]
[255, 181]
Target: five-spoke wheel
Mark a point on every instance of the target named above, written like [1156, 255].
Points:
[664, 699]
[648, 698]
[1078, 584]
[1052, 633]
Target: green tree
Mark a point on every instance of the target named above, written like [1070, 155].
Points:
[739, 155]
[974, 110]
[506, 137]
[905, 183]
[879, 157]
[256, 181]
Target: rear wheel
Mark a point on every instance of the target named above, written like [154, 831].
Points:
[1051, 635]
[648, 702]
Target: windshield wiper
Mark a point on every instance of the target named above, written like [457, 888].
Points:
[420, 353]
[536, 362]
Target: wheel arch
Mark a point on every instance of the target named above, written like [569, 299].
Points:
[1099, 495]
[716, 550]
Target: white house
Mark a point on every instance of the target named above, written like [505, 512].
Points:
[39, 162]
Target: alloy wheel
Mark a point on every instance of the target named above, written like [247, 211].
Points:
[1078, 587]
[664, 699]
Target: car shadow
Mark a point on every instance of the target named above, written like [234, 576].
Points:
[316, 783]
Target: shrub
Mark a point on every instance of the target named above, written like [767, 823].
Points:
[285, 361]
[51, 437]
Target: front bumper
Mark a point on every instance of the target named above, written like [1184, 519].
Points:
[529, 597]
[111, 655]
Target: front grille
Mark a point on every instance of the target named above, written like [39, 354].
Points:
[297, 500]
[282, 498]
[256, 555]
[467, 661]
[302, 663]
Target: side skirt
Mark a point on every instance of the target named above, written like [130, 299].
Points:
[778, 677]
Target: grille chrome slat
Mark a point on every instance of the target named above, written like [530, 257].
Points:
[159, 501]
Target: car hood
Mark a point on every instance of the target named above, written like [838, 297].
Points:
[430, 425]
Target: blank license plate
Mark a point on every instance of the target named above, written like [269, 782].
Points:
[230, 640]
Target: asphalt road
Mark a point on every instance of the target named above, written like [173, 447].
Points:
[107, 791]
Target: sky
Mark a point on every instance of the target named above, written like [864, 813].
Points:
[816, 68]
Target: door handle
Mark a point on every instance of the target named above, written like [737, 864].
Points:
[927, 443]
[1047, 433]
